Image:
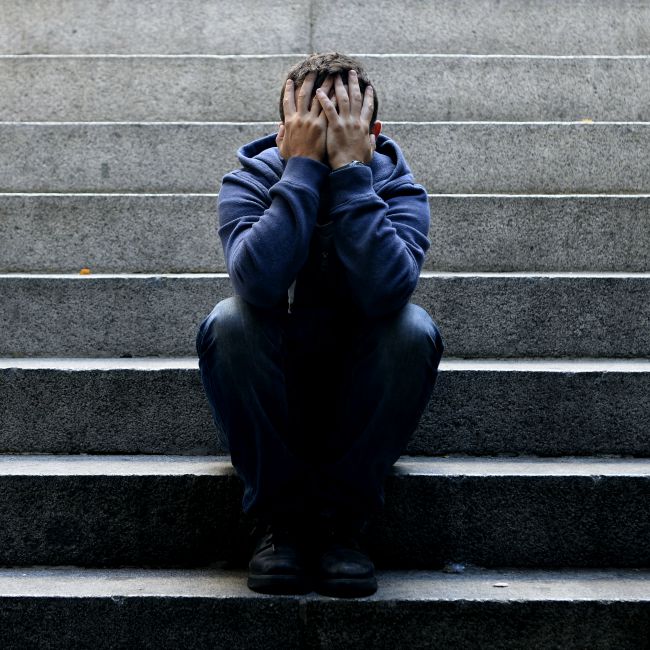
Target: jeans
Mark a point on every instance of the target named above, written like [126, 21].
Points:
[315, 406]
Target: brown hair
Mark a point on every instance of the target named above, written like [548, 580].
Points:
[324, 65]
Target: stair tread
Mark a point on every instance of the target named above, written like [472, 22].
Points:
[522, 364]
[169, 465]
[472, 584]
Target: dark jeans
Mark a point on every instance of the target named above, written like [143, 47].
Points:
[315, 406]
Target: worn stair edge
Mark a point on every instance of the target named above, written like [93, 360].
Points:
[451, 466]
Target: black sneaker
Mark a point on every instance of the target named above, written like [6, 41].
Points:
[342, 568]
[278, 564]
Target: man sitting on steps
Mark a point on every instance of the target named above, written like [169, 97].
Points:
[319, 368]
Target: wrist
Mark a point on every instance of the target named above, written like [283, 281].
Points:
[347, 165]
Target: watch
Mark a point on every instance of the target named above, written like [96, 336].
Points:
[353, 163]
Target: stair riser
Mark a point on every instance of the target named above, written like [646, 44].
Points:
[444, 157]
[471, 412]
[196, 26]
[153, 89]
[285, 623]
[163, 27]
[192, 520]
[125, 234]
[478, 316]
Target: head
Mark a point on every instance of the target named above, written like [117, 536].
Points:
[327, 64]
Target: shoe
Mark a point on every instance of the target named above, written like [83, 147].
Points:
[278, 564]
[343, 569]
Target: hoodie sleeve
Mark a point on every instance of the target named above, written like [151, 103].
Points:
[381, 242]
[265, 233]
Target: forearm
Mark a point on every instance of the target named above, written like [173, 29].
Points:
[381, 244]
[266, 237]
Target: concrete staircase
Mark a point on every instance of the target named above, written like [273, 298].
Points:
[520, 515]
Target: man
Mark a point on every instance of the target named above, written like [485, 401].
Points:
[317, 371]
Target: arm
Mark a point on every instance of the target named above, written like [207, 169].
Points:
[266, 234]
[381, 243]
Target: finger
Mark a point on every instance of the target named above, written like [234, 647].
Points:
[355, 93]
[368, 104]
[289, 102]
[304, 94]
[326, 86]
[328, 106]
[342, 97]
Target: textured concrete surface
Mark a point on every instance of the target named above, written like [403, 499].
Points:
[110, 233]
[482, 26]
[539, 233]
[159, 407]
[419, 88]
[490, 512]
[200, 26]
[178, 233]
[212, 607]
[479, 315]
[154, 26]
[445, 157]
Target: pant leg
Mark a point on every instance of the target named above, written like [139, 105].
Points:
[388, 380]
[242, 360]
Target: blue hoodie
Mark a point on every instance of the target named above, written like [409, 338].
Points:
[297, 232]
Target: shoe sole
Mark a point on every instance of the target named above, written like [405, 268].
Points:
[279, 584]
[347, 587]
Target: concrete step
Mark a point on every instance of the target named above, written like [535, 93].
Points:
[185, 511]
[62, 607]
[479, 314]
[157, 406]
[199, 26]
[486, 26]
[446, 157]
[153, 233]
[164, 26]
[409, 87]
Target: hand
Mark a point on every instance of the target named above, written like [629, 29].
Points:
[348, 130]
[305, 129]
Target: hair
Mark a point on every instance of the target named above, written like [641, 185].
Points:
[324, 65]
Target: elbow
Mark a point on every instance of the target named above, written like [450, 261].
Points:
[258, 287]
[260, 292]
[379, 303]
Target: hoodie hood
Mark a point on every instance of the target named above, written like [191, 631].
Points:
[388, 165]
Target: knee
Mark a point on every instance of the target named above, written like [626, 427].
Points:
[416, 334]
[224, 324]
